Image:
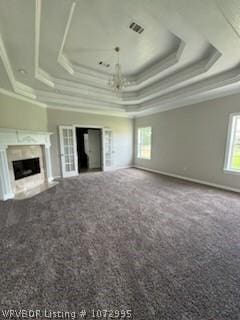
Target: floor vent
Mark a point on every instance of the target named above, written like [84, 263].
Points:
[136, 27]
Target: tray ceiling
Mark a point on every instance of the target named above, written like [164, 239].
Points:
[50, 51]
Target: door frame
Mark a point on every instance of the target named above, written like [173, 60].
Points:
[102, 147]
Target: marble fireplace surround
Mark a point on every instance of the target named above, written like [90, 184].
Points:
[15, 137]
[26, 185]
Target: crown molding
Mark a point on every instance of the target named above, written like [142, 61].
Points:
[6, 63]
[61, 59]
[40, 74]
[24, 90]
[93, 111]
[97, 78]
[178, 79]
[78, 72]
[151, 75]
[78, 88]
[82, 94]
[193, 100]
[229, 77]
[127, 98]
[44, 77]
[73, 101]
[167, 84]
[65, 63]
[22, 98]
[17, 86]
[137, 82]
[159, 92]
[214, 87]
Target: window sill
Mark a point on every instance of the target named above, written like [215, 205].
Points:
[232, 171]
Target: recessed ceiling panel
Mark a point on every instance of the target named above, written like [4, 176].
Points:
[97, 28]
[62, 51]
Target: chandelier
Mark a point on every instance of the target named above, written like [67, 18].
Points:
[117, 82]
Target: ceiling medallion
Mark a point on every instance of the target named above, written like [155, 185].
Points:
[118, 82]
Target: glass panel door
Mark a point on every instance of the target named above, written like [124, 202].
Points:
[108, 149]
[68, 151]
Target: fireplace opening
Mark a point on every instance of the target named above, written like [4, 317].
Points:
[25, 168]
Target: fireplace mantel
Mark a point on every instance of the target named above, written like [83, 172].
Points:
[11, 137]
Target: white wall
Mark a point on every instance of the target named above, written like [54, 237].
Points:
[190, 141]
[122, 134]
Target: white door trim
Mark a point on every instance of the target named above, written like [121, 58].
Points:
[102, 141]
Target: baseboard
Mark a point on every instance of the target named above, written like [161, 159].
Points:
[119, 168]
[111, 169]
[57, 177]
[125, 167]
[218, 186]
[7, 196]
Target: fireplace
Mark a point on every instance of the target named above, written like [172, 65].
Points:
[25, 163]
[25, 168]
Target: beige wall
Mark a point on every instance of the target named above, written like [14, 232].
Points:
[190, 141]
[122, 133]
[18, 114]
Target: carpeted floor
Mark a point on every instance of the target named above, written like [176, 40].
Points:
[162, 247]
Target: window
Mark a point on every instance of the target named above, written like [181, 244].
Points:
[144, 143]
[232, 162]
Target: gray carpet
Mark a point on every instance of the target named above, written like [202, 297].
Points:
[162, 247]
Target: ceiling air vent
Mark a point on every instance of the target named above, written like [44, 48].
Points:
[136, 27]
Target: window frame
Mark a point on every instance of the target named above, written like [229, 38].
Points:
[230, 144]
[138, 144]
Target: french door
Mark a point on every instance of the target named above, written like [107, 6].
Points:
[108, 149]
[68, 151]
